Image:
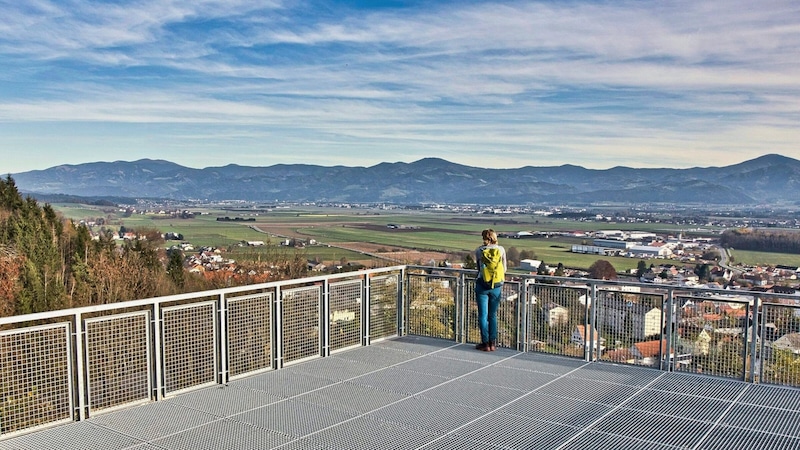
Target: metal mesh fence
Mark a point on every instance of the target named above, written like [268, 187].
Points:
[717, 334]
[345, 314]
[710, 336]
[432, 305]
[383, 294]
[507, 323]
[249, 328]
[780, 350]
[190, 356]
[118, 360]
[301, 323]
[557, 319]
[35, 377]
[629, 327]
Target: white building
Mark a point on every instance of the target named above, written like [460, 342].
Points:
[531, 265]
[650, 251]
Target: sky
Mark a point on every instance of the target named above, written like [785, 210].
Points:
[207, 83]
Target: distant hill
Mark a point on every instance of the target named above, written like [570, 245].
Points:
[770, 179]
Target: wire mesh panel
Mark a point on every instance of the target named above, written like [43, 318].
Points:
[557, 319]
[190, 356]
[118, 360]
[383, 294]
[35, 376]
[710, 336]
[432, 305]
[506, 314]
[629, 327]
[301, 323]
[345, 314]
[780, 350]
[249, 328]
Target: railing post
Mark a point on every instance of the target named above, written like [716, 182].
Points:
[401, 303]
[460, 302]
[591, 319]
[365, 312]
[523, 341]
[80, 375]
[756, 352]
[277, 338]
[223, 340]
[158, 353]
[325, 323]
[668, 360]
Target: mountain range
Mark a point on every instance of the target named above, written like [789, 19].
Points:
[770, 179]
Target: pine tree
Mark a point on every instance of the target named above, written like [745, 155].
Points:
[33, 233]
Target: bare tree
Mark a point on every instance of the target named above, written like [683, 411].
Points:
[602, 270]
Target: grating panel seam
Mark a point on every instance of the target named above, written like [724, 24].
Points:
[139, 440]
[601, 418]
[666, 415]
[718, 422]
[720, 425]
[700, 396]
[543, 372]
[424, 423]
[203, 425]
[363, 415]
[494, 411]
[759, 431]
[564, 397]
[529, 419]
[299, 396]
[773, 408]
[649, 442]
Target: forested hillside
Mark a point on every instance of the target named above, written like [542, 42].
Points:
[779, 241]
[49, 263]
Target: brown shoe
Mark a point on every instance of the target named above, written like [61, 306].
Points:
[483, 346]
[492, 346]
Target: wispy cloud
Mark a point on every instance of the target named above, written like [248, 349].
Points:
[590, 83]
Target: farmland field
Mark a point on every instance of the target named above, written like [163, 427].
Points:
[414, 236]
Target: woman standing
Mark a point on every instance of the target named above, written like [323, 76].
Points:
[491, 259]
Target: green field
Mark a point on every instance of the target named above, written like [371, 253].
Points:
[752, 258]
[445, 232]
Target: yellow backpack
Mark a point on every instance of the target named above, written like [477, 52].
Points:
[492, 270]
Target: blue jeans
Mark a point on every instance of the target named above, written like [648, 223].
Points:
[488, 300]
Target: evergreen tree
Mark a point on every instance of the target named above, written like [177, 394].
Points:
[33, 233]
[641, 269]
[542, 269]
[703, 272]
[559, 270]
[469, 261]
[175, 267]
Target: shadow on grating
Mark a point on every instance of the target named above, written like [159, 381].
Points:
[66, 436]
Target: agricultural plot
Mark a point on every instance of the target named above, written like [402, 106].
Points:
[401, 236]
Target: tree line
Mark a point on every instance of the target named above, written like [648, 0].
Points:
[785, 241]
[48, 262]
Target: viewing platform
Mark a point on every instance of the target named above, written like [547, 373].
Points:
[425, 393]
[386, 358]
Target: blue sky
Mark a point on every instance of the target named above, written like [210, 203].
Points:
[508, 84]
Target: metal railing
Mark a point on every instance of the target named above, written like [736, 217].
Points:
[72, 364]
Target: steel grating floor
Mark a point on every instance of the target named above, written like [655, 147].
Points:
[421, 393]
